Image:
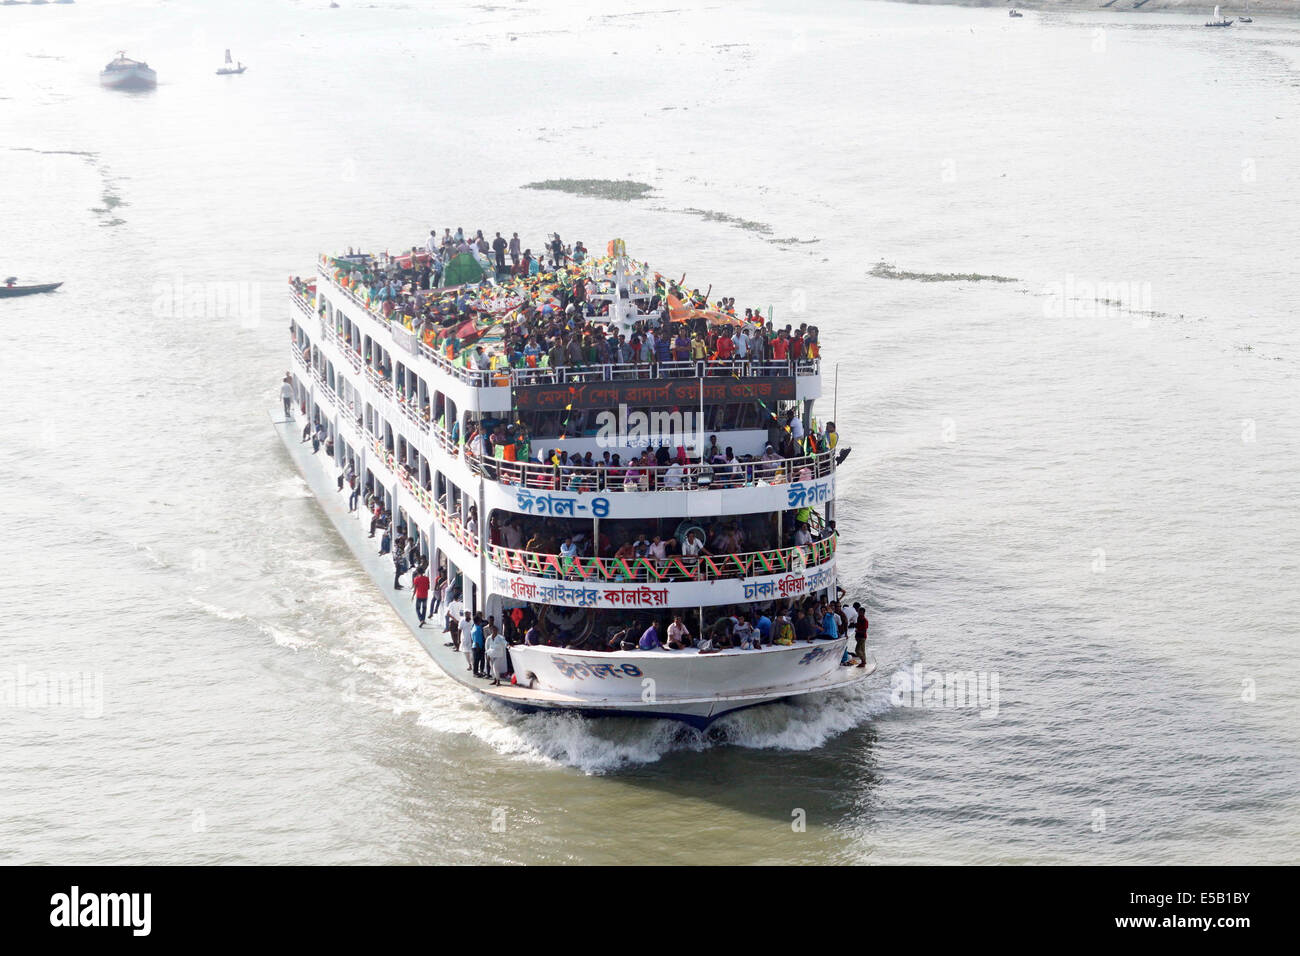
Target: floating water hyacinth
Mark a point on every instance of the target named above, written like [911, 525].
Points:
[887, 270]
[620, 189]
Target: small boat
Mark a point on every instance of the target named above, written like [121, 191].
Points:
[1014, 13]
[231, 69]
[127, 74]
[11, 289]
[1219, 21]
[1247, 17]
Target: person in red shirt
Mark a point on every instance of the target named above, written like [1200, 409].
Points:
[796, 348]
[780, 347]
[420, 589]
[726, 348]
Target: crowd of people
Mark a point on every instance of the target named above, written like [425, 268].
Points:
[537, 312]
[493, 446]
[657, 540]
[809, 620]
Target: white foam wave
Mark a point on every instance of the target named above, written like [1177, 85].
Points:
[284, 638]
[222, 613]
[293, 487]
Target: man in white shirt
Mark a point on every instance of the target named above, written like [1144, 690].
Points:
[741, 342]
[679, 636]
[693, 546]
[466, 646]
[454, 610]
[674, 475]
[744, 634]
[496, 648]
[796, 426]
[514, 537]
[431, 244]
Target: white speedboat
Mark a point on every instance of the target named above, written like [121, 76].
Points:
[400, 385]
[123, 73]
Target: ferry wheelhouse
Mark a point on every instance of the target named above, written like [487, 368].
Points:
[574, 483]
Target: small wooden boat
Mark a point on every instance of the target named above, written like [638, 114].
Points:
[10, 289]
[231, 68]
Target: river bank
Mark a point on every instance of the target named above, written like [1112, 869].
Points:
[1288, 8]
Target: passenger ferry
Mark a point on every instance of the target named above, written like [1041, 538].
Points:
[123, 73]
[565, 478]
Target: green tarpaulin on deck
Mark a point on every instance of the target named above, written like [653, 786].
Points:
[462, 270]
[348, 264]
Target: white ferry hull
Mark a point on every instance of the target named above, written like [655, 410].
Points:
[686, 686]
[132, 78]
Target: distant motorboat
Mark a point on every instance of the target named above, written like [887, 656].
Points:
[127, 74]
[1014, 13]
[231, 69]
[11, 289]
[1219, 21]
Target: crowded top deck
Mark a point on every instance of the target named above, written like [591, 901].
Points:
[562, 315]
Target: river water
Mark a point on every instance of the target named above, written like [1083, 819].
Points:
[1080, 484]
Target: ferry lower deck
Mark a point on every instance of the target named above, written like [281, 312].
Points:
[624, 695]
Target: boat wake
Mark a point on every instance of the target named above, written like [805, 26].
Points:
[610, 745]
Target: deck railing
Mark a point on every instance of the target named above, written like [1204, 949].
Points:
[421, 494]
[690, 477]
[673, 568]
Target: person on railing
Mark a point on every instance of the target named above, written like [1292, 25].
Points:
[693, 547]
[568, 555]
